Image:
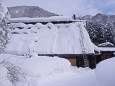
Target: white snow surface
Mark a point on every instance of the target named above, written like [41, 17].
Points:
[47, 71]
[106, 44]
[105, 72]
[55, 71]
[107, 49]
[49, 39]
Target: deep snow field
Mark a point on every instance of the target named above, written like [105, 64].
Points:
[33, 70]
[48, 71]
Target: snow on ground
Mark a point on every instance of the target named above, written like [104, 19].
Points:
[55, 71]
[48, 71]
[85, 80]
[52, 71]
[105, 72]
[49, 39]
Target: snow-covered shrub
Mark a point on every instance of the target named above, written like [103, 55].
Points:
[3, 77]
[4, 32]
[105, 72]
[12, 73]
[9, 73]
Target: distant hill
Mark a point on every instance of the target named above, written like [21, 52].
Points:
[104, 19]
[29, 11]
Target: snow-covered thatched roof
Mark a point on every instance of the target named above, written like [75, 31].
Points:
[52, 19]
[104, 49]
[50, 39]
[106, 44]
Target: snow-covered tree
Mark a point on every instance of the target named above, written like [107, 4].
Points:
[4, 17]
[109, 33]
[96, 32]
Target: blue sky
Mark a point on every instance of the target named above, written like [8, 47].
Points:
[69, 7]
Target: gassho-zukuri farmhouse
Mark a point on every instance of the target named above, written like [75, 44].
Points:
[58, 36]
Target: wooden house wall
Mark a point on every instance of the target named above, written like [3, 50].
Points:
[73, 61]
[76, 59]
[106, 55]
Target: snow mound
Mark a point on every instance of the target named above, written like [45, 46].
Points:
[46, 71]
[44, 66]
[42, 69]
[105, 72]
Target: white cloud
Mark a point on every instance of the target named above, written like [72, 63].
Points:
[111, 2]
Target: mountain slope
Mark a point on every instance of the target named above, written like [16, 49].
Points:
[29, 11]
[100, 18]
[101, 27]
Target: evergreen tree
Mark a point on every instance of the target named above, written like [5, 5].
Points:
[109, 33]
[4, 16]
[96, 32]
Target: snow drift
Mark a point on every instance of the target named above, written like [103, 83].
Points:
[40, 69]
[105, 72]
[46, 71]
